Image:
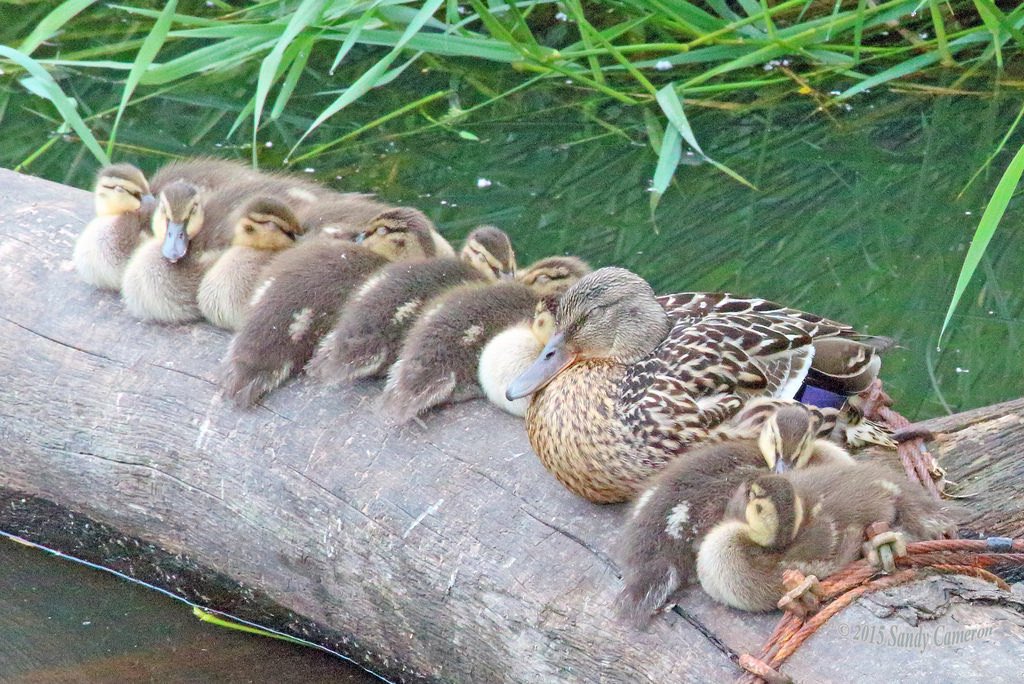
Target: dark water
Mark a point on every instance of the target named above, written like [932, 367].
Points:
[62, 622]
[858, 216]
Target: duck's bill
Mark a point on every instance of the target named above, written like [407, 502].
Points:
[175, 242]
[552, 360]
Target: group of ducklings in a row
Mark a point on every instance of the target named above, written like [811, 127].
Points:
[340, 284]
[680, 401]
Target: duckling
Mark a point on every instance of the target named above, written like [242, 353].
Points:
[191, 226]
[303, 289]
[439, 357]
[509, 353]
[368, 336]
[629, 381]
[123, 206]
[264, 226]
[690, 495]
[811, 520]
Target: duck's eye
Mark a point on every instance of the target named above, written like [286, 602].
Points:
[249, 228]
[758, 508]
[119, 188]
[542, 279]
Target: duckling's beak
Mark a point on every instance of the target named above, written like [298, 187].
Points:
[552, 361]
[176, 241]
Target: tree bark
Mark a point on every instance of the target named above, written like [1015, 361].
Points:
[436, 552]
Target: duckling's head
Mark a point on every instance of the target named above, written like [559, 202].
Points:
[543, 324]
[489, 251]
[120, 189]
[774, 512]
[552, 276]
[399, 234]
[265, 223]
[178, 218]
[610, 314]
[788, 435]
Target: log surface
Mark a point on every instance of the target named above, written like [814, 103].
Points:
[443, 552]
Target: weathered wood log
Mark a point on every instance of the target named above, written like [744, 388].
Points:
[443, 552]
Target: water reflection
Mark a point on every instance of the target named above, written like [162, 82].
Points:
[65, 623]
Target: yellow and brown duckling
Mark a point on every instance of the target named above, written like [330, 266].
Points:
[123, 209]
[810, 520]
[368, 335]
[439, 358]
[690, 495]
[263, 227]
[303, 289]
[629, 381]
[511, 352]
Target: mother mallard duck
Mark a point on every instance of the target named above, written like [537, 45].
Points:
[629, 381]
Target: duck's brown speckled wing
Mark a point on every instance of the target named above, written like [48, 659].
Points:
[721, 351]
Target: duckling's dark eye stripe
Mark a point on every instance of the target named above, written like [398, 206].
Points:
[114, 186]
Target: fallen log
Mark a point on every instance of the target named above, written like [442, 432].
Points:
[436, 552]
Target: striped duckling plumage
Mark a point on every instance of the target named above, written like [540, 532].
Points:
[439, 359]
[690, 495]
[263, 227]
[303, 290]
[814, 521]
[368, 335]
[629, 381]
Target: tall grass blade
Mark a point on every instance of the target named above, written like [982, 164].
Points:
[352, 37]
[307, 12]
[672, 106]
[150, 47]
[374, 76]
[45, 86]
[669, 154]
[986, 229]
[52, 23]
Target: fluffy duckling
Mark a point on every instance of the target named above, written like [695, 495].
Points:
[439, 359]
[123, 207]
[368, 336]
[511, 352]
[630, 381]
[683, 501]
[811, 520]
[191, 226]
[303, 289]
[264, 227]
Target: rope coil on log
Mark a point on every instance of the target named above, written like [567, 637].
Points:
[970, 557]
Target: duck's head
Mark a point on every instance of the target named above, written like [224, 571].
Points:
[553, 276]
[399, 234]
[788, 435]
[774, 512]
[120, 189]
[610, 314]
[489, 251]
[265, 223]
[178, 218]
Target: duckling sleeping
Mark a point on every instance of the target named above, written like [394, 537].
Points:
[303, 289]
[691, 494]
[811, 520]
[509, 353]
[368, 335]
[439, 358]
[123, 208]
[629, 381]
[263, 228]
[191, 226]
